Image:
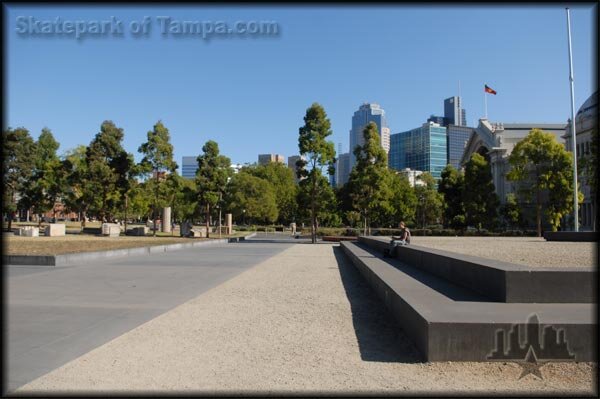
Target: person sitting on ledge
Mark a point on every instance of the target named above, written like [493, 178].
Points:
[402, 239]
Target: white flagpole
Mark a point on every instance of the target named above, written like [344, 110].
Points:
[485, 100]
[573, 138]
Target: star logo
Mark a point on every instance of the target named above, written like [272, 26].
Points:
[530, 365]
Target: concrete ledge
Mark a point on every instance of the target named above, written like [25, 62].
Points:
[577, 236]
[66, 259]
[499, 281]
[449, 323]
[339, 238]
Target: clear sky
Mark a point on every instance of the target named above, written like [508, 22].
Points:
[250, 94]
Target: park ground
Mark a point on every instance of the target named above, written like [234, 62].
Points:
[304, 321]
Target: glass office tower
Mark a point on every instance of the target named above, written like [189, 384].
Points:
[423, 148]
[454, 114]
[189, 166]
[365, 114]
[457, 140]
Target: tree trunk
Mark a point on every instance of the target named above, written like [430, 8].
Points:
[207, 220]
[126, 204]
[10, 218]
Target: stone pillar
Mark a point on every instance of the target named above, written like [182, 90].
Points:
[166, 220]
[229, 223]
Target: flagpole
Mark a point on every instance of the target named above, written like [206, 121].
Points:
[485, 100]
[573, 138]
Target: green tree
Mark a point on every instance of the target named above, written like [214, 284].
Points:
[158, 160]
[18, 152]
[184, 202]
[546, 167]
[75, 169]
[47, 181]
[451, 186]
[511, 211]
[429, 201]
[404, 200]
[368, 179]
[211, 178]
[588, 171]
[282, 179]
[318, 152]
[480, 200]
[108, 168]
[251, 197]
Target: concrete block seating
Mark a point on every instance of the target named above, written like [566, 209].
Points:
[55, 230]
[577, 236]
[111, 229]
[497, 280]
[138, 231]
[448, 321]
[28, 231]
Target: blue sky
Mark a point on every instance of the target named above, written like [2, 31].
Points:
[250, 94]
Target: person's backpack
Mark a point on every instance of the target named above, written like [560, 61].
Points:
[407, 236]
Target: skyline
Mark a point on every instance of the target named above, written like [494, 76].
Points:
[223, 89]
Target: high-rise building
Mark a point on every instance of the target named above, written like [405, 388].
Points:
[292, 165]
[423, 148]
[189, 166]
[264, 159]
[342, 170]
[440, 120]
[454, 114]
[368, 113]
[458, 136]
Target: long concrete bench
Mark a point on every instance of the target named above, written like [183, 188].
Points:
[451, 323]
[499, 281]
[577, 236]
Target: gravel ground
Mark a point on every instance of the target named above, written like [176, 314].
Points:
[303, 322]
[530, 251]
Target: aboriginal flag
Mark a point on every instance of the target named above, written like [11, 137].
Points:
[490, 90]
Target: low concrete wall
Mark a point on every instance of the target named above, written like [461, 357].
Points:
[339, 238]
[66, 259]
[499, 281]
[578, 236]
[447, 329]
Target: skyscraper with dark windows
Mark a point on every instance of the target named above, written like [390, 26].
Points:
[454, 114]
[368, 112]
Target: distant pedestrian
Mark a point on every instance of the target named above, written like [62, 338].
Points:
[402, 239]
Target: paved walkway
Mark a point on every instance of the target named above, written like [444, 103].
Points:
[56, 314]
[300, 322]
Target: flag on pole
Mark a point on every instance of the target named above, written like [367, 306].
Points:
[490, 90]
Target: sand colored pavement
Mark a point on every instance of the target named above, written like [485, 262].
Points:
[302, 321]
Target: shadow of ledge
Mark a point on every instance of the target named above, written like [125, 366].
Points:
[380, 337]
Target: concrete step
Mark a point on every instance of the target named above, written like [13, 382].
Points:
[448, 322]
[497, 280]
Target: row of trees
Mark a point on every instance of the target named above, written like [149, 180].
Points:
[102, 180]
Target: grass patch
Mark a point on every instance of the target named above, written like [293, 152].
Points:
[76, 243]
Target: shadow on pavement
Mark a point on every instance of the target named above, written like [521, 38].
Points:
[380, 337]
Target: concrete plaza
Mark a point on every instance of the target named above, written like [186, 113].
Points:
[299, 319]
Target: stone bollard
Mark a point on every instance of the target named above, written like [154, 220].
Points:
[229, 223]
[166, 220]
[111, 229]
